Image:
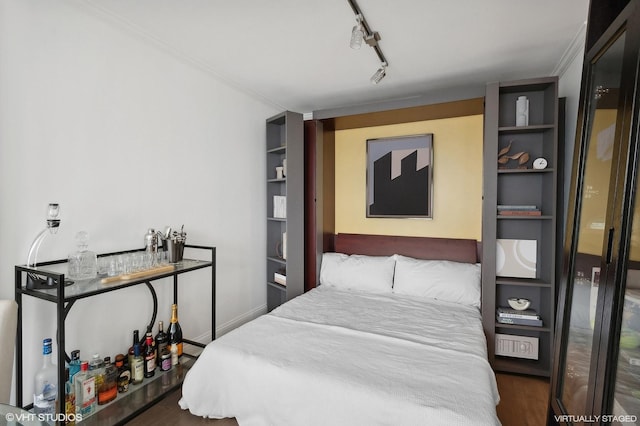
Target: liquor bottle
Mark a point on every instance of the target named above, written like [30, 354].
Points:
[149, 358]
[85, 387]
[136, 337]
[174, 355]
[46, 384]
[137, 366]
[108, 390]
[74, 364]
[143, 342]
[124, 374]
[69, 399]
[175, 331]
[162, 340]
[96, 369]
[165, 359]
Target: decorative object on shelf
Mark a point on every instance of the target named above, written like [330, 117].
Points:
[400, 177]
[540, 163]
[83, 264]
[281, 247]
[518, 303]
[280, 206]
[284, 167]
[279, 172]
[53, 223]
[522, 157]
[516, 258]
[522, 111]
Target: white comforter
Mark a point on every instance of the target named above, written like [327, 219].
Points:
[332, 357]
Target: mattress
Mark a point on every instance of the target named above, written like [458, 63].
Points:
[349, 358]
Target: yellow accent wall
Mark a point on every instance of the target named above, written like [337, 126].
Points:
[457, 169]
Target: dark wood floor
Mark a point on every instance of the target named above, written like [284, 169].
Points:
[523, 402]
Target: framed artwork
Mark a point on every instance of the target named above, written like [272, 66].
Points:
[400, 177]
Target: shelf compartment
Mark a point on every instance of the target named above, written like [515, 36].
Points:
[526, 129]
[87, 288]
[527, 282]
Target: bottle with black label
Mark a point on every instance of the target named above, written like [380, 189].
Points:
[162, 340]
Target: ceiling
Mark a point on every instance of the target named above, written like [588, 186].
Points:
[295, 54]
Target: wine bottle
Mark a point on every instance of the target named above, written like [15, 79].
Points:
[162, 340]
[149, 358]
[175, 331]
[46, 384]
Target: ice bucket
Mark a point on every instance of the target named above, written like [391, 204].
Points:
[174, 250]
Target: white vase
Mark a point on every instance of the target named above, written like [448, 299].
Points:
[522, 111]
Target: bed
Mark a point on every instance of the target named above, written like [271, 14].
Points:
[373, 344]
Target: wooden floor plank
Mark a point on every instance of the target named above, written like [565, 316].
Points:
[523, 402]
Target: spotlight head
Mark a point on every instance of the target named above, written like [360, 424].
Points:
[379, 75]
[357, 35]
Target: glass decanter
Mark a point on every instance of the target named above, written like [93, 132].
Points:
[83, 264]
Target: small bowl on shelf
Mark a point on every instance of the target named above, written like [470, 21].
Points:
[518, 303]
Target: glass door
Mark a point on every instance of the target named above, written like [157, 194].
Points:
[580, 324]
[626, 398]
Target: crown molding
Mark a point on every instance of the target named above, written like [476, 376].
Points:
[575, 48]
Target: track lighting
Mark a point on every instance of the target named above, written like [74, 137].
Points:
[357, 34]
[360, 32]
[379, 75]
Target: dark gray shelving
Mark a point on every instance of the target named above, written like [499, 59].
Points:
[522, 186]
[285, 140]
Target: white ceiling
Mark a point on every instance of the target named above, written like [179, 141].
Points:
[295, 53]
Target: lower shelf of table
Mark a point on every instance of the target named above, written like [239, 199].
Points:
[140, 397]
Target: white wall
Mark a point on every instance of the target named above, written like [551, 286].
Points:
[125, 137]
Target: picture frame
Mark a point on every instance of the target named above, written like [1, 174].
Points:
[400, 177]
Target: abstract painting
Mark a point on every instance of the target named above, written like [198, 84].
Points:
[400, 177]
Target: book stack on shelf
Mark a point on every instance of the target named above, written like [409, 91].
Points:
[516, 317]
[280, 277]
[518, 210]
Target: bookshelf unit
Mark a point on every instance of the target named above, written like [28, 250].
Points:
[524, 349]
[285, 230]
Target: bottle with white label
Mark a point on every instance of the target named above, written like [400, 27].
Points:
[85, 387]
[46, 384]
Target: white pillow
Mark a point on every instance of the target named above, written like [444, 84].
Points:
[438, 279]
[373, 274]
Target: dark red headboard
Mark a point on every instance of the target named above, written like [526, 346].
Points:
[455, 249]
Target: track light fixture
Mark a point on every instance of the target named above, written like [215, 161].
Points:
[357, 34]
[361, 31]
[379, 75]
